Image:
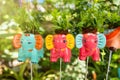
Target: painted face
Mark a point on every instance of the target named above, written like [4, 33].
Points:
[28, 42]
[59, 41]
[90, 40]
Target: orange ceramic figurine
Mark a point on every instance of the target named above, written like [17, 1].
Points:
[113, 43]
[113, 39]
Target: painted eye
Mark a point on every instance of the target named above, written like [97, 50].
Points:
[95, 41]
[29, 42]
[64, 41]
[21, 42]
[84, 41]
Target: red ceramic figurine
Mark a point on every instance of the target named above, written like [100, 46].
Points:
[60, 46]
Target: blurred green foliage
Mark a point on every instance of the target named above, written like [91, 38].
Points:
[45, 18]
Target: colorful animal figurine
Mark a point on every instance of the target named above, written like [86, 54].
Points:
[89, 45]
[30, 46]
[60, 46]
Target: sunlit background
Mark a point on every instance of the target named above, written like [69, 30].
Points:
[19, 16]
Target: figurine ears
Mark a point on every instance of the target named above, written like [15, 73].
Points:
[70, 41]
[49, 42]
[79, 40]
[39, 42]
[16, 41]
[101, 40]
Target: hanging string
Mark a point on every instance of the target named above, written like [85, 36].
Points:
[31, 70]
[60, 68]
[108, 69]
[87, 68]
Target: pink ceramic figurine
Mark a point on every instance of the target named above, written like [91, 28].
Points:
[89, 45]
[60, 46]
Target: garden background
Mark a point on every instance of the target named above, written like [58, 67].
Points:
[46, 16]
